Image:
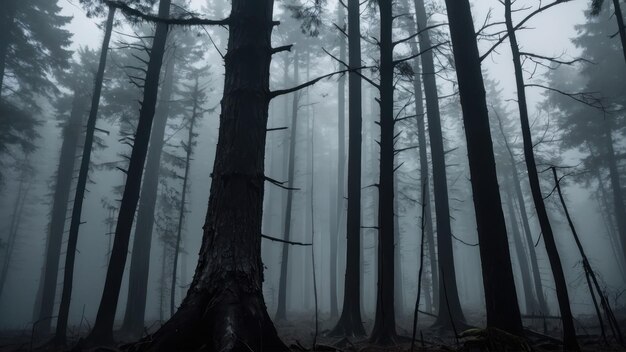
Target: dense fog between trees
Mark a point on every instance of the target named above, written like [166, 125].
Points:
[356, 158]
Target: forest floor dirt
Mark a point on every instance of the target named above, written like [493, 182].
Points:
[299, 334]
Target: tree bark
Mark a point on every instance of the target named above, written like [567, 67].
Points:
[569, 332]
[621, 29]
[140, 258]
[350, 322]
[70, 254]
[281, 312]
[102, 332]
[384, 331]
[500, 296]
[224, 309]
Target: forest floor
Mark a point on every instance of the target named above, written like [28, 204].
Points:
[299, 334]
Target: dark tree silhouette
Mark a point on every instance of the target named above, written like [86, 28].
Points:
[500, 296]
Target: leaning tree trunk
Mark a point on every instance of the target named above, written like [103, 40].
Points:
[543, 306]
[350, 322]
[281, 312]
[449, 307]
[500, 296]
[81, 184]
[384, 330]
[142, 242]
[102, 332]
[6, 24]
[181, 214]
[621, 29]
[341, 178]
[71, 136]
[224, 308]
[569, 338]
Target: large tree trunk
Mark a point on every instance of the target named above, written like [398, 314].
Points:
[350, 323]
[450, 298]
[72, 133]
[142, 242]
[384, 331]
[527, 284]
[500, 296]
[341, 163]
[183, 207]
[530, 244]
[102, 332]
[281, 312]
[569, 332]
[81, 184]
[224, 308]
[7, 19]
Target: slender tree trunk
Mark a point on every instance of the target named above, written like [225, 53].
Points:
[350, 322]
[397, 258]
[71, 137]
[140, 258]
[500, 296]
[442, 208]
[16, 219]
[281, 312]
[569, 332]
[527, 284]
[621, 29]
[103, 327]
[224, 308]
[181, 213]
[6, 27]
[306, 284]
[341, 163]
[384, 331]
[423, 156]
[70, 254]
[543, 306]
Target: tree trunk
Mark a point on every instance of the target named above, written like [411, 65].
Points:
[181, 213]
[621, 29]
[16, 219]
[527, 285]
[397, 258]
[6, 25]
[72, 133]
[350, 322]
[569, 332]
[500, 296]
[384, 331]
[618, 199]
[140, 258]
[442, 208]
[530, 244]
[224, 308]
[70, 254]
[281, 312]
[102, 332]
[341, 163]
[423, 153]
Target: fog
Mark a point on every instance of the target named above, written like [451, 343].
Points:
[574, 98]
